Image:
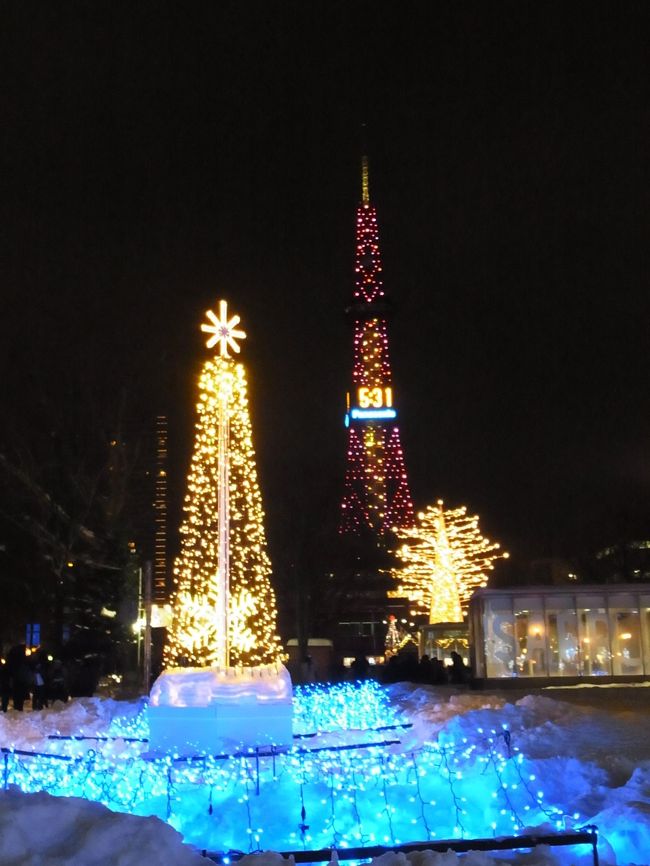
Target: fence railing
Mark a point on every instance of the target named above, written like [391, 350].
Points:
[588, 835]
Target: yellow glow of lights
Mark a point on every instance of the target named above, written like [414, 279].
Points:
[365, 186]
[252, 617]
[224, 330]
[445, 558]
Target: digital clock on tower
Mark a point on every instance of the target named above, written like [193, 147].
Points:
[375, 398]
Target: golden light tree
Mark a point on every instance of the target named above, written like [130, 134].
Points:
[445, 558]
[224, 610]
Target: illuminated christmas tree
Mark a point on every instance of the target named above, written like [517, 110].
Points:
[392, 640]
[445, 558]
[224, 610]
[376, 496]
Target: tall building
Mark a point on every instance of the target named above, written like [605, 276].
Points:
[160, 590]
[376, 497]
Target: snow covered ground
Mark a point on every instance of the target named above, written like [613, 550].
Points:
[473, 764]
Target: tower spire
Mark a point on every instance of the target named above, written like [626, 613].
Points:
[365, 188]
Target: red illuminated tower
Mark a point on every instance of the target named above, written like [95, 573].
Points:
[376, 496]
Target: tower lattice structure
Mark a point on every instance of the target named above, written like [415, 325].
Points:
[377, 496]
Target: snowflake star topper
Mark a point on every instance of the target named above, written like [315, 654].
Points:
[224, 330]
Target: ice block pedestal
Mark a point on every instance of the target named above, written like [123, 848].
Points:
[211, 710]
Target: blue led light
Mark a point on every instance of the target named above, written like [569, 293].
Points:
[346, 780]
[372, 414]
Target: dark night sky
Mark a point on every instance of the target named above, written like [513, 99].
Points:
[158, 156]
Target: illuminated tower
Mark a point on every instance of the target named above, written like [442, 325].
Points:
[376, 496]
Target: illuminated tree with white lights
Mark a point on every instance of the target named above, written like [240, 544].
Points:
[445, 558]
[224, 609]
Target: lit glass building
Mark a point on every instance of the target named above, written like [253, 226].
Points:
[561, 632]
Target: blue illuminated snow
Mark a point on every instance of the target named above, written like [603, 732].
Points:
[358, 773]
[359, 788]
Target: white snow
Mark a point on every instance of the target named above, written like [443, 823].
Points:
[202, 687]
[39, 829]
[578, 756]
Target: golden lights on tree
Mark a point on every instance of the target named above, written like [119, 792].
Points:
[445, 558]
[222, 576]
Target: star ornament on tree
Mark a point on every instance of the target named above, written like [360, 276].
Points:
[224, 330]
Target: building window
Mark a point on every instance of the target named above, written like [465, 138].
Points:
[593, 636]
[530, 636]
[625, 631]
[644, 607]
[499, 637]
[562, 636]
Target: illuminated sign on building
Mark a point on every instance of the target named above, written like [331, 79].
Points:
[373, 404]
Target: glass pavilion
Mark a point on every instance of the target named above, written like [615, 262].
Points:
[565, 632]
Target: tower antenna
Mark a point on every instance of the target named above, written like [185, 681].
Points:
[365, 190]
[365, 187]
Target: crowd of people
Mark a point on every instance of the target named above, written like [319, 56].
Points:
[33, 676]
[405, 667]
[26, 676]
[400, 667]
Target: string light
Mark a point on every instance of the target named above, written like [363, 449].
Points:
[340, 791]
[195, 637]
[444, 559]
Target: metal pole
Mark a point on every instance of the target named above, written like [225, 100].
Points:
[147, 626]
[223, 565]
[139, 619]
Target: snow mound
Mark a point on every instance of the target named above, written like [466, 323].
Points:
[81, 716]
[627, 830]
[36, 829]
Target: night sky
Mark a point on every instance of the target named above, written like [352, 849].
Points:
[159, 156]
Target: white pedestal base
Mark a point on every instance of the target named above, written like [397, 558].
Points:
[211, 710]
